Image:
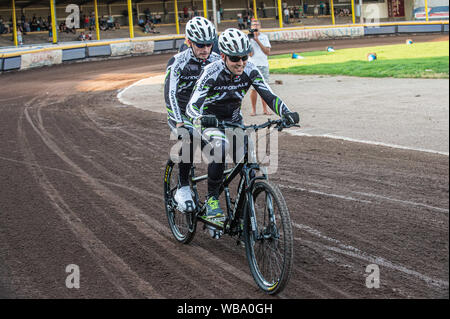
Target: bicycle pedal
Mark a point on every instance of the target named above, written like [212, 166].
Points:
[214, 233]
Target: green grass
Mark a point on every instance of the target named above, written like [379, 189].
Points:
[419, 60]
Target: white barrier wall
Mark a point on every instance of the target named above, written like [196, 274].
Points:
[119, 49]
[33, 60]
[136, 47]
[315, 34]
[143, 47]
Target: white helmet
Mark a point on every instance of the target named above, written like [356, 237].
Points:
[234, 42]
[201, 31]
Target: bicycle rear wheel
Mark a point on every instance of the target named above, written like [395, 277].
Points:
[269, 249]
[182, 225]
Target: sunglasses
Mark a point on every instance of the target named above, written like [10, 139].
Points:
[238, 58]
[201, 46]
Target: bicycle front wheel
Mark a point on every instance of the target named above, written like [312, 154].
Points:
[269, 242]
[181, 224]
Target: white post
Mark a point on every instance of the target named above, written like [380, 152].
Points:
[214, 8]
[361, 19]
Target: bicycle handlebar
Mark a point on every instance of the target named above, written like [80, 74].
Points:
[279, 125]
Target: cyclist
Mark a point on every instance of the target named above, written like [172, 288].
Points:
[218, 95]
[183, 70]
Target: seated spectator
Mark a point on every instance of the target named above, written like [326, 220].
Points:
[150, 28]
[82, 37]
[110, 23]
[2, 26]
[62, 27]
[26, 27]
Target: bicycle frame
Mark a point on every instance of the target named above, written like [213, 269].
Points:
[242, 198]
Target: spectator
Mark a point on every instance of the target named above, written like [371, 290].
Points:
[147, 14]
[26, 27]
[34, 25]
[110, 22]
[322, 8]
[158, 18]
[296, 13]
[86, 22]
[186, 14]
[82, 37]
[286, 15]
[62, 27]
[248, 20]
[92, 22]
[39, 24]
[263, 8]
[150, 28]
[305, 9]
[2, 26]
[240, 22]
[141, 22]
[19, 37]
[260, 50]
[316, 11]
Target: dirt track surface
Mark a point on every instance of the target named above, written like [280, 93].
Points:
[81, 183]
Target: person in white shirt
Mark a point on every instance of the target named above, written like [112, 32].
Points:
[260, 50]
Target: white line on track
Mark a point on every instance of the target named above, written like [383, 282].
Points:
[356, 253]
[349, 139]
[11, 98]
[404, 202]
[325, 194]
[121, 92]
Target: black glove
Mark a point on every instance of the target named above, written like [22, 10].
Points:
[209, 121]
[292, 118]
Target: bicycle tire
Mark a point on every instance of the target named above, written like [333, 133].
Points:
[182, 225]
[272, 236]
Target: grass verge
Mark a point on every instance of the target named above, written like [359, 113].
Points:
[419, 60]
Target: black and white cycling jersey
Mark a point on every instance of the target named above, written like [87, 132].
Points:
[220, 93]
[183, 71]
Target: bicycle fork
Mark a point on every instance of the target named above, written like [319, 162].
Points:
[269, 231]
